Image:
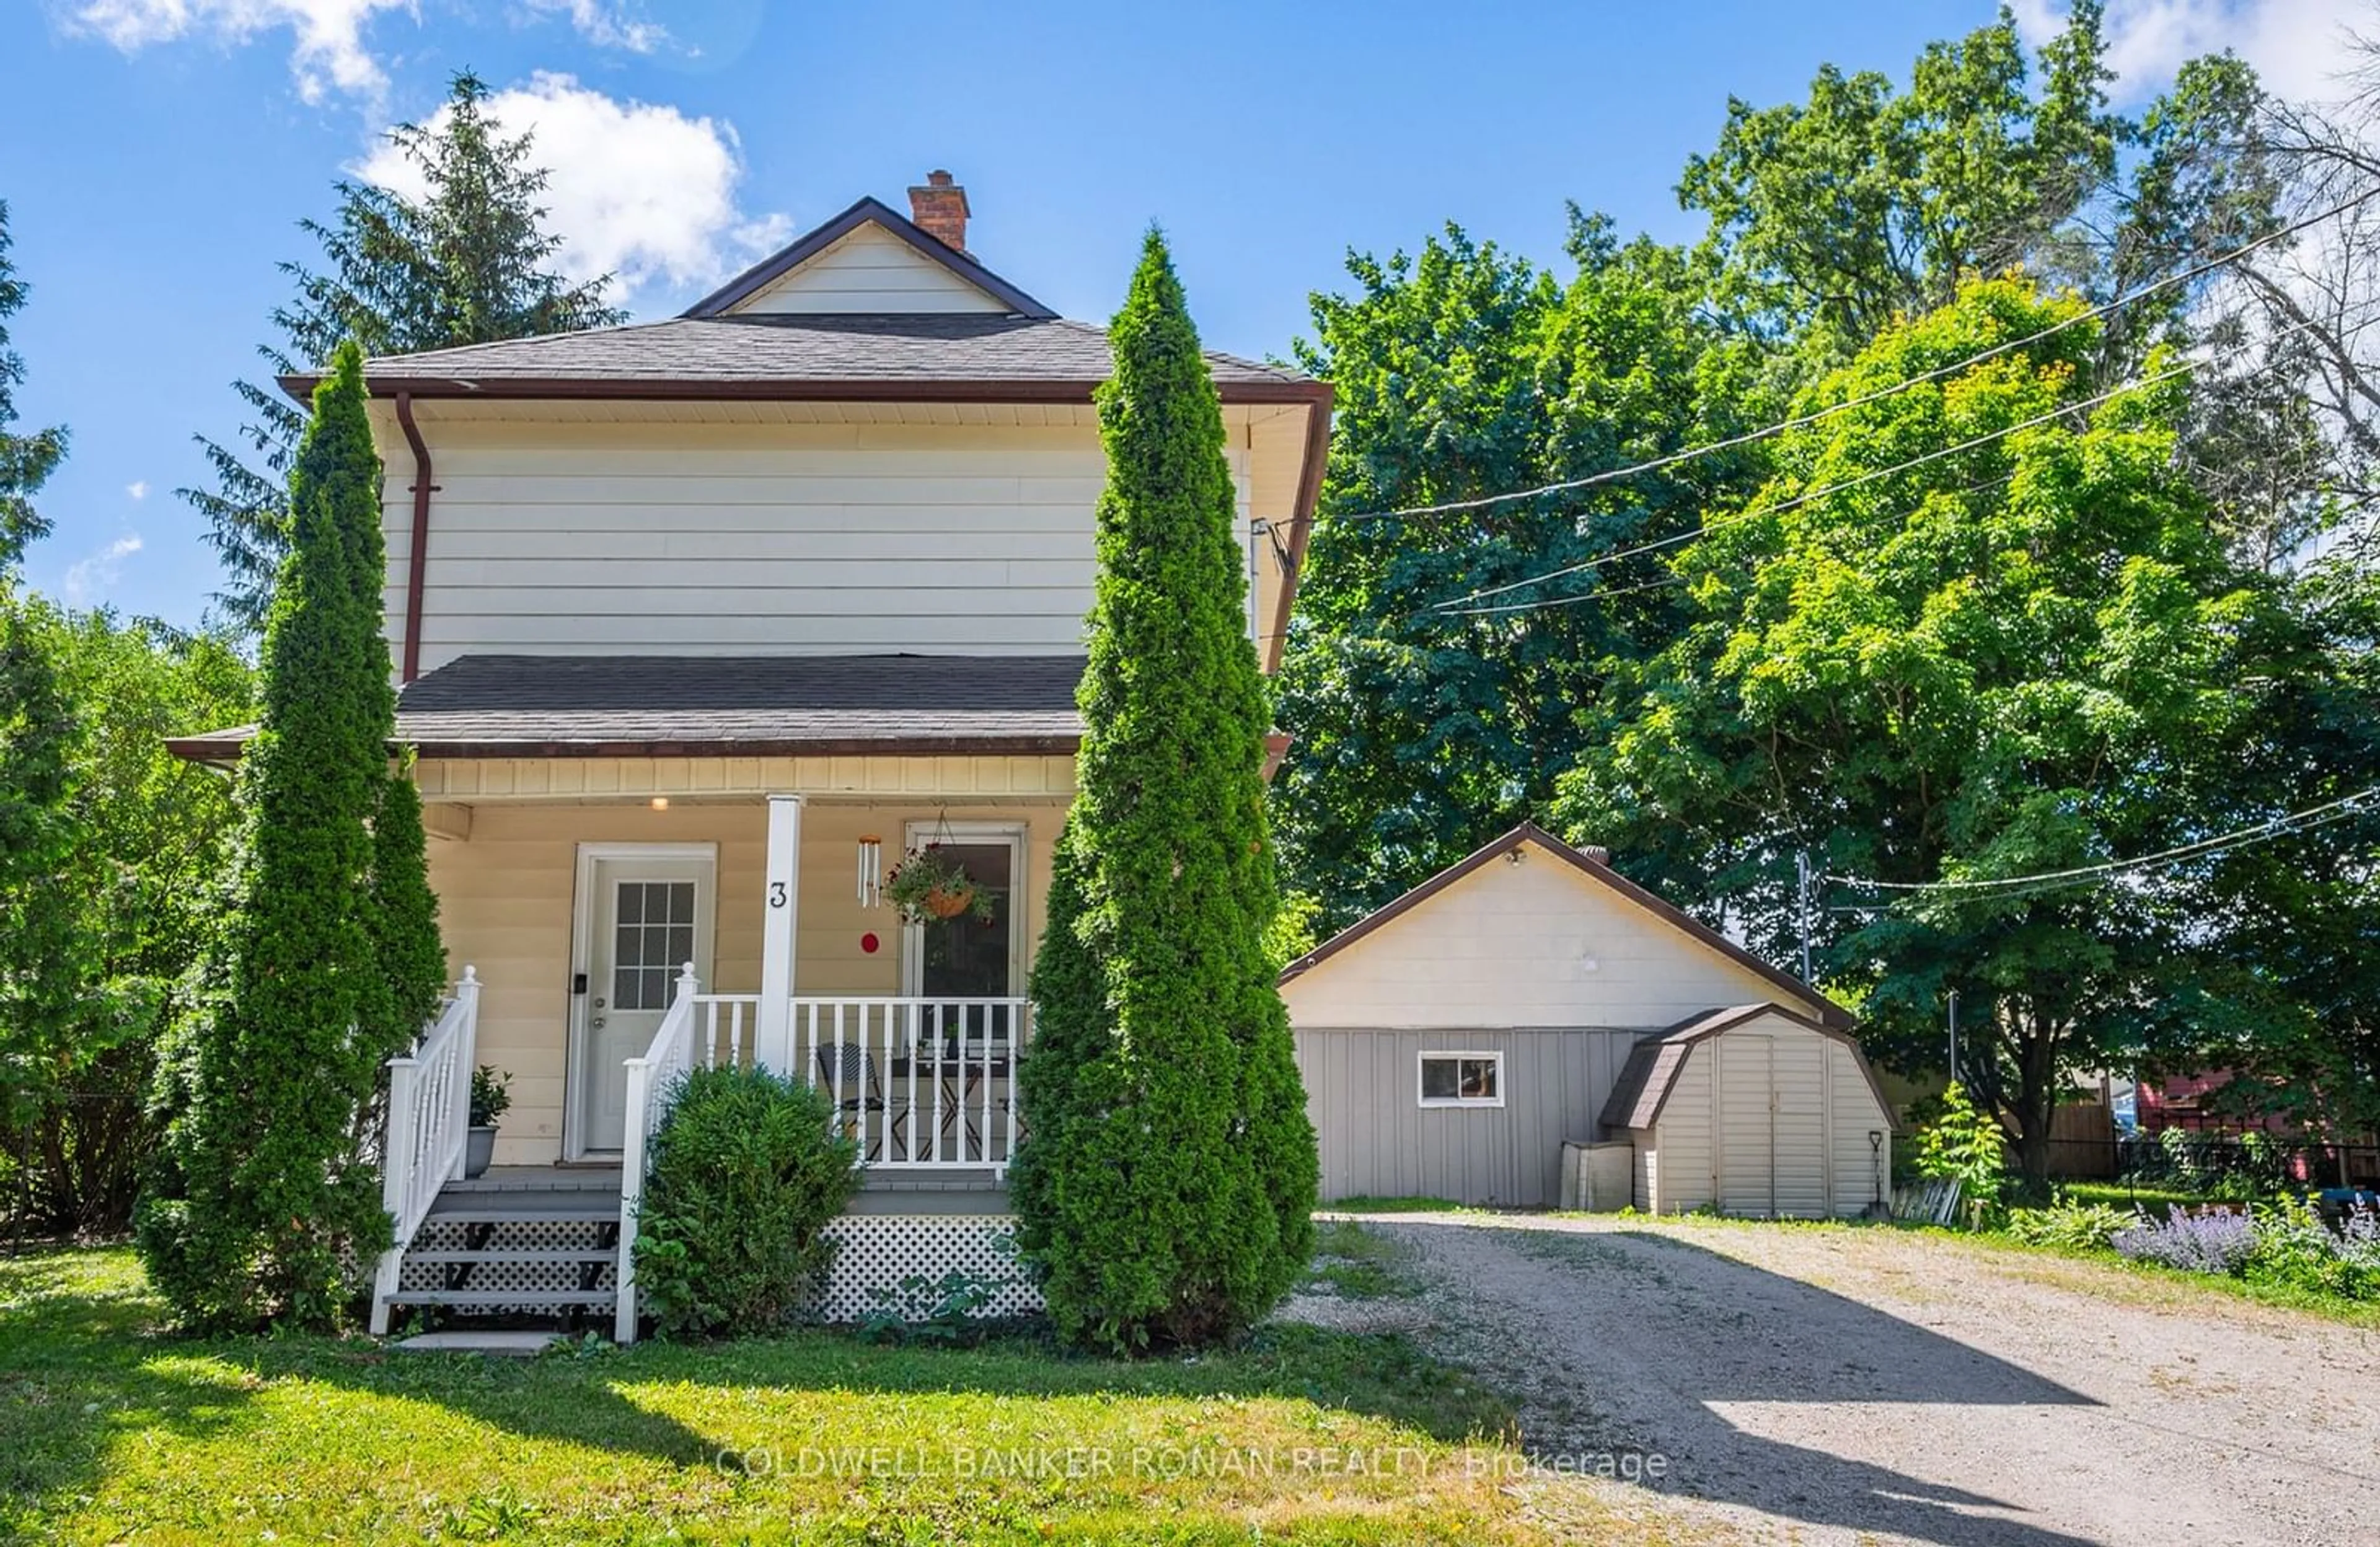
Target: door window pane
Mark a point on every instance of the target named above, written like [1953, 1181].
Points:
[652, 940]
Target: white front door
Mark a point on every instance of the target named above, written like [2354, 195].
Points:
[645, 912]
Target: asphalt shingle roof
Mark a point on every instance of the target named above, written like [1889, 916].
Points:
[680, 705]
[932, 346]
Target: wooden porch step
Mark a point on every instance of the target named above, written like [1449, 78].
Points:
[525, 1208]
[463, 1300]
[500, 1254]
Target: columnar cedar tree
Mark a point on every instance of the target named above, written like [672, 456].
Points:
[265, 1199]
[1164, 1190]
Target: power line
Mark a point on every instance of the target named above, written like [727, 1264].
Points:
[1688, 535]
[2275, 827]
[1612, 475]
[1450, 609]
[1598, 595]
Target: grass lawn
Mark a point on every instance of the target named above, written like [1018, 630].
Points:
[111, 1431]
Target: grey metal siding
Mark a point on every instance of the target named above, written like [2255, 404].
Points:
[1376, 1138]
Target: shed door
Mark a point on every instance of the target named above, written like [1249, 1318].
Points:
[1797, 1125]
[1742, 1091]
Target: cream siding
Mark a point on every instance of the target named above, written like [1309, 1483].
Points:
[1511, 946]
[1685, 1144]
[869, 269]
[1863, 1172]
[780, 538]
[506, 898]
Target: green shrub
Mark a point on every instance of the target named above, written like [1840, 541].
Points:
[2295, 1249]
[1965, 1145]
[2069, 1226]
[745, 1174]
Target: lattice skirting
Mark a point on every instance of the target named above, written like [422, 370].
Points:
[879, 1251]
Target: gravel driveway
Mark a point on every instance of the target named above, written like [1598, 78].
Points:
[1826, 1385]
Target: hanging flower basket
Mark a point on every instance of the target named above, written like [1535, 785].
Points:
[930, 887]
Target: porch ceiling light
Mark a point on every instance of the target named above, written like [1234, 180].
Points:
[661, 802]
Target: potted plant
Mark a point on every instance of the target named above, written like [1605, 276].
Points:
[492, 1097]
[930, 886]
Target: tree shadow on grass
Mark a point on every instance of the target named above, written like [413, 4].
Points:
[80, 1366]
[84, 1369]
[1677, 1332]
[85, 1364]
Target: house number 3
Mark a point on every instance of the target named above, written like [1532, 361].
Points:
[776, 894]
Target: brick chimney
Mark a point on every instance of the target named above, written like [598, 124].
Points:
[940, 208]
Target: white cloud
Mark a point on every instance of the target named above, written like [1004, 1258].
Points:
[327, 36]
[89, 579]
[607, 25]
[638, 189]
[329, 48]
[138, 488]
[2297, 46]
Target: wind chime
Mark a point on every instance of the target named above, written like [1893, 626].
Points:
[871, 871]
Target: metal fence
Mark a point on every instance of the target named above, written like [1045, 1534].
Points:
[2212, 1163]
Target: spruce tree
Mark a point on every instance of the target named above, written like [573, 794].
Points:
[263, 1197]
[1165, 1188]
[469, 262]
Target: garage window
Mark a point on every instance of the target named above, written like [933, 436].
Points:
[1462, 1080]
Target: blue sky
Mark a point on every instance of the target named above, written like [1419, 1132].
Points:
[157, 153]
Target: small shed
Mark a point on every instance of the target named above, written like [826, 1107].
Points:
[1753, 1110]
[1454, 1042]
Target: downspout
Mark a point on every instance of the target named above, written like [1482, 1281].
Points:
[418, 560]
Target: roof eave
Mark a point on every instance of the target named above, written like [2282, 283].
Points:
[221, 750]
[681, 389]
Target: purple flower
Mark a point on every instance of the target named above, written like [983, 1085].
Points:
[2215, 1242]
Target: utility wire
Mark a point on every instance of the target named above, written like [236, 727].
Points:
[2275, 827]
[1611, 475]
[1449, 609]
[1688, 535]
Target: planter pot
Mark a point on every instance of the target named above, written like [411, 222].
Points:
[479, 1147]
[949, 903]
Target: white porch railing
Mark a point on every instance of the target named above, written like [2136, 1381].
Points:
[429, 1119]
[653, 1084]
[920, 1084]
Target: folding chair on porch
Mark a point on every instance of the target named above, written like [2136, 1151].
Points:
[847, 1075]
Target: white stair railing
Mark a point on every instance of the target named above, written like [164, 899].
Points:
[652, 1082]
[428, 1122]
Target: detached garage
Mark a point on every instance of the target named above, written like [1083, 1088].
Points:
[1453, 1043]
[1753, 1110]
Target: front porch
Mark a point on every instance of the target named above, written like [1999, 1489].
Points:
[630, 919]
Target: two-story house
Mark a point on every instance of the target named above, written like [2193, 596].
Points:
[700, 626]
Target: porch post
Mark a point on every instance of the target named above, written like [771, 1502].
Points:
[772, 1042]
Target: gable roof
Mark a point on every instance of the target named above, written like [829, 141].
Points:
[1653, 1064]
[809, 245]
[1025, 354]
[1593, 870]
